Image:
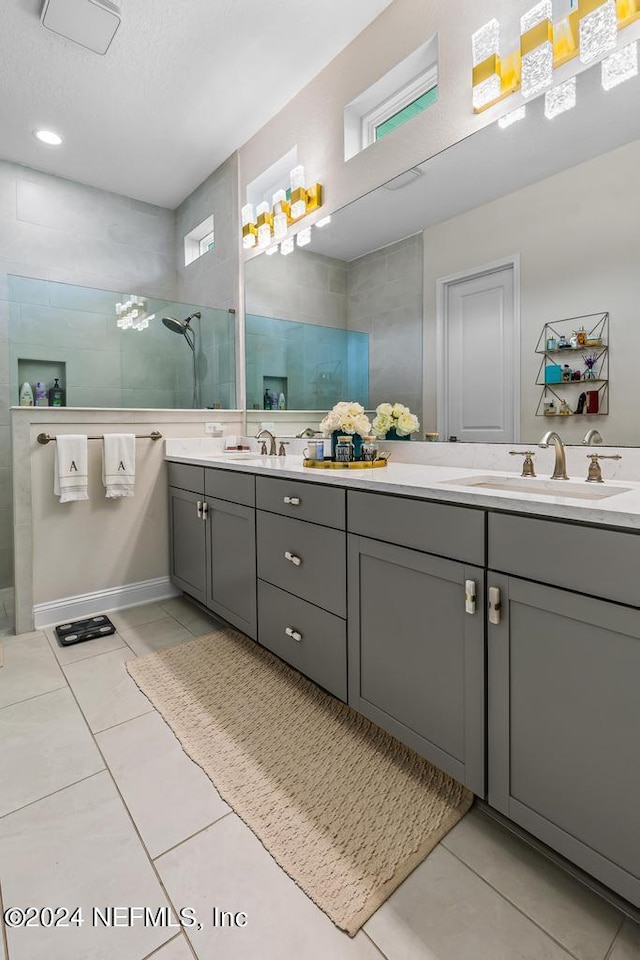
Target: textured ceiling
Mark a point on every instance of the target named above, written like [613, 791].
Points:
[184, 84]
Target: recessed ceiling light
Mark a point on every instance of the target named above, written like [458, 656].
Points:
[49, 137]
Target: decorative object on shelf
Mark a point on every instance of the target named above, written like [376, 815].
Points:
[394, 421]
[589, 32]
[271, 224]
[582, 399]
[132, 314]
[574, 335]
[346, 419]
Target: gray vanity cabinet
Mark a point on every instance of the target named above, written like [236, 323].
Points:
[416, 658]
[231, 563]
[564, 725]
[188, 543]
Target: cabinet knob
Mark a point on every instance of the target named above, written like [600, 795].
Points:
[294, 634]
[199, 509]
[296, 561]
[292, 501]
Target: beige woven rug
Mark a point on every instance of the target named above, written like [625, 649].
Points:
[345, 809]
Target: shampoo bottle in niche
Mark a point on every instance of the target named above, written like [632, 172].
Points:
[282, 403]
[41, 395]
[26, 395]
[56, 395]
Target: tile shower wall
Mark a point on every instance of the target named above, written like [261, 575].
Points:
[385, 300]
[60, 230]
[312, 364]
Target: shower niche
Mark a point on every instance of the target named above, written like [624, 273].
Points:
[47, 372]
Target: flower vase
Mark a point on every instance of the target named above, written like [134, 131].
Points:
[393, 435]
[357, 443]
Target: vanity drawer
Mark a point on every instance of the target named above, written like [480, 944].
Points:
[316, 644]
[320, 576]
[304, 501]
[186, 477]
[601, 563]
[447, 531]
[227, 485]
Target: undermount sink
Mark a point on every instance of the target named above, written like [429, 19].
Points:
[542, 488]
[235, 455]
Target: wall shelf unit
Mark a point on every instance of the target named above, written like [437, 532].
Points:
[565, 377]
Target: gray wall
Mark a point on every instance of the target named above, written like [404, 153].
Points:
[212, 279]
[385, 301]
[56, 229]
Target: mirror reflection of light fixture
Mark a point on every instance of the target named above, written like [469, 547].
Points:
[536, 48]
[303, 238]
[132, 314]
[620, 66]
[288, 207]
[286, 247]
[598, 28]
[560, 99]
[249, 228]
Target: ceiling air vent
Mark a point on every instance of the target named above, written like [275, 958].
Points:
[91, 23]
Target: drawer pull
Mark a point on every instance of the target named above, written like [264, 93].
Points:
[292, 501]
[470, 596]
[294, 634]
[296, 561]
[205, 511]
[199, 509]
[495, 604]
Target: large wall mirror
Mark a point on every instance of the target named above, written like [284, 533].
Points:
[435, 290]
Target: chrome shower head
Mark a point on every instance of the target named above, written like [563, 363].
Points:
[180, 326]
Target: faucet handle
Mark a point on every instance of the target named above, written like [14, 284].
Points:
[594, 474]
[263, 448]
[281, 450]
[528, 469]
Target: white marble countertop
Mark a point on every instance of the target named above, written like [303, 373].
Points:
[441, 483]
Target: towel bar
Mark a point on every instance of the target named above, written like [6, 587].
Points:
[46, 438]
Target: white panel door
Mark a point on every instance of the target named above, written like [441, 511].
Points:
[480, 358]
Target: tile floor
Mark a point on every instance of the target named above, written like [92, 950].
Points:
[100, 807]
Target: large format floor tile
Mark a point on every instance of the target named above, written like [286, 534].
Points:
[78, 848]
[106, 693]
[178, 949]
[82, 651]
[185, 612]
[168, 796]
[134, 616]
[159, 635]
[44, 746]
[228, 868]
[30, 668]
[581, 921]
[445, 911]
[627, 946]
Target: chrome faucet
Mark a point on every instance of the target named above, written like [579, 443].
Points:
[592, 436]
[560, 468]
[272, 441]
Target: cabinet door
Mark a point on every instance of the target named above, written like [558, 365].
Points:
[564, 721]
[231, 563]
[188, 554]
[416, 658]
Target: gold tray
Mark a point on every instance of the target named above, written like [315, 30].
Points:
[354, 465]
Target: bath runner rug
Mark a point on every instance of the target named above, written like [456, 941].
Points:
[345, 809]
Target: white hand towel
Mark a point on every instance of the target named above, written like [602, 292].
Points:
[119, 464]
[70, 473]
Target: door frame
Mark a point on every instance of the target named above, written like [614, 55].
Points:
[442, 290]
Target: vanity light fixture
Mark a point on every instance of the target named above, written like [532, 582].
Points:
[590, 31]
[132, 314]
[620, 66]
[536, 49]
[510, 118]
[286, 247]
[49, 137]
[288, 207]
[303, 237]
[598, 28]
[560, 99]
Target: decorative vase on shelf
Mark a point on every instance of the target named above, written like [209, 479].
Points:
[393, 435]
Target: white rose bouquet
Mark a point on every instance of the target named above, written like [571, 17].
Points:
[394, 416]
[347, 418]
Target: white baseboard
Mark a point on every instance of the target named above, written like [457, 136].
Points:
[116, 598]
